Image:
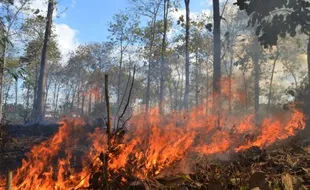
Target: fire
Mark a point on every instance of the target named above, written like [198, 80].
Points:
[152, 144]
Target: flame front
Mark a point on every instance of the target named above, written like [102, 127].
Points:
[149, 147]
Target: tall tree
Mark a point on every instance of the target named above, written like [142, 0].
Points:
[186, 93]
[163, 51]
[123, 32]
[217, 54]
[42, 77]
[149, 9]
[10, 12]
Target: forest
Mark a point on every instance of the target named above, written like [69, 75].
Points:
[172, 99]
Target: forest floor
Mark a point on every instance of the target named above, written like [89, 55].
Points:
[282, 166]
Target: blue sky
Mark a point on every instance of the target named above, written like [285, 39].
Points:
[90, 17]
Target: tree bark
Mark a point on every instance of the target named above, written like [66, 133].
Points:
[42, 77]
[186, 94]
[217, 56]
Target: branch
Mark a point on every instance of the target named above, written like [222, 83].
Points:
[119, 106]
[130, 92]
[108, 125]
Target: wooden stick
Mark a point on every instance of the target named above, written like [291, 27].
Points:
[9, 180]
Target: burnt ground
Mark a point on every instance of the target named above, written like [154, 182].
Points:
[21, 139]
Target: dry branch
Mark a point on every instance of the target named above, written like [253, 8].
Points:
[106, 89]
[9, 181]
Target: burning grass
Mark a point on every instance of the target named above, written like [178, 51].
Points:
[153, 144]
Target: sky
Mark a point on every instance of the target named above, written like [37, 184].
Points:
[85, 21]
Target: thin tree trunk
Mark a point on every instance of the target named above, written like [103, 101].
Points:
[271, 79]
[163, 51]
[245, 91]
[83, 103]
[42, 77]
[197, 80]
[207, 89]
[217, 57]
[54, 96]
[73, 97]
[16, 91]
[2, 65]
[148, 85]
[119, 74]
[256, 80]
[186, 94]
[7, 95]
[89, 103]
[35, 91]
[229, 82]
[57, 97]
[108, 127]
[27, 97]
[46, 92]
[308, 60]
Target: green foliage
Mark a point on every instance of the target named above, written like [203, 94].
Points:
[275, 19]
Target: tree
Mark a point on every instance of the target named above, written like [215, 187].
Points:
[124, 33]
[274, 19]
[217, 55]
[9, 21]
[42, 77]
[151, 10]
[163, 51]
[187, 25]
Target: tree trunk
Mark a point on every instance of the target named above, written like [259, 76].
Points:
[16, 91]
[148, 85]
[256, 80]
[217, 56]
[57, 97]
[2, 65]
[186, 94]
[308, 59]
[207, 89]
[89, 103]
[27, 101]
[196, 80]
[119, 75]
[162, 65]
[54, 96]
[83, 102]
[7, 95]
[42, 77]
[271, 79]
[35, 91]
[229, 82]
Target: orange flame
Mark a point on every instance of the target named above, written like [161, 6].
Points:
[152, 144]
